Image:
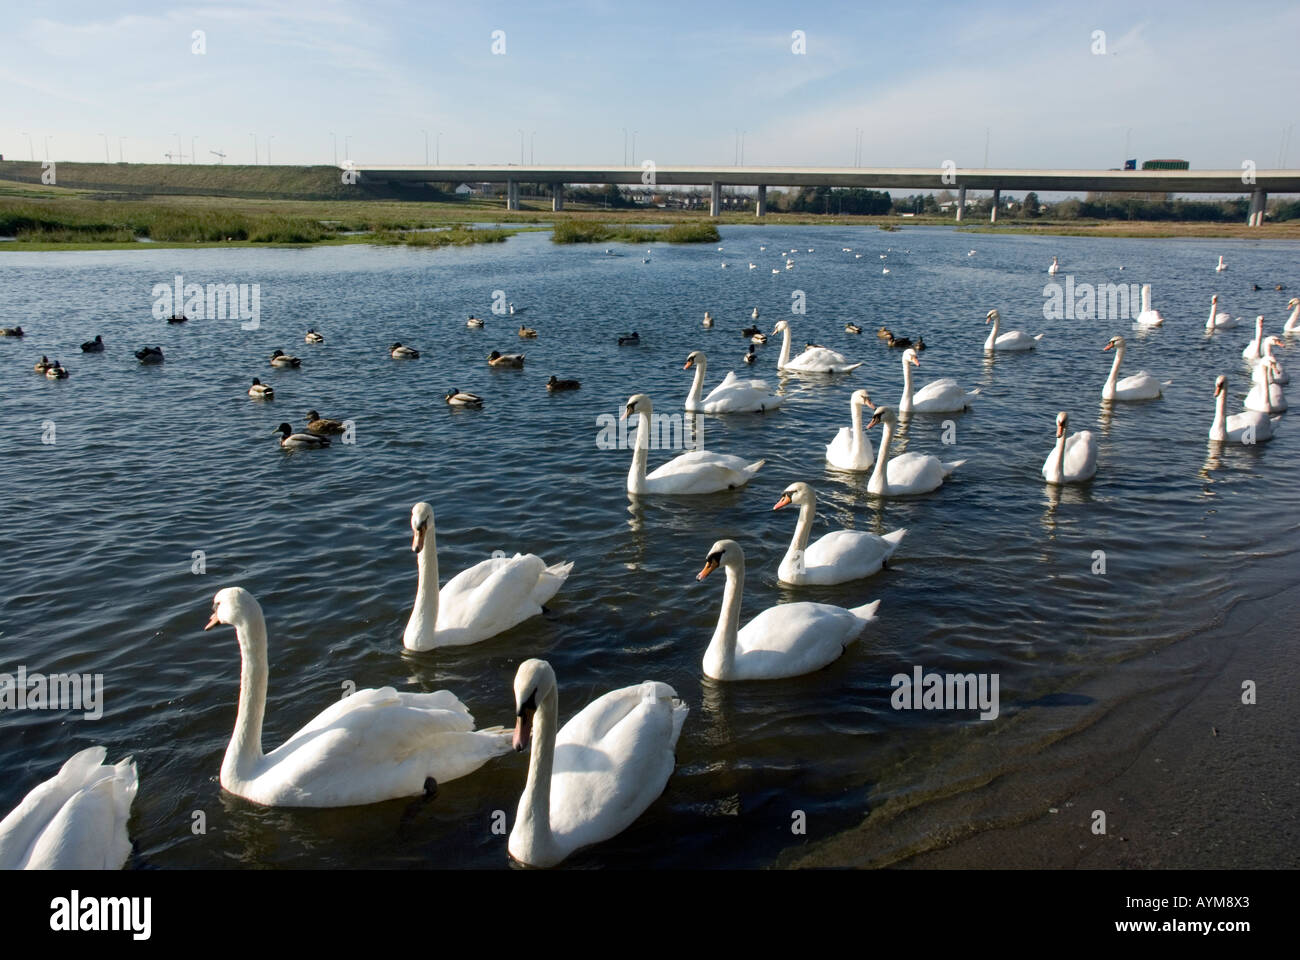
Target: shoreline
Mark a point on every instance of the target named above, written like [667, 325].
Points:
[1210, 784]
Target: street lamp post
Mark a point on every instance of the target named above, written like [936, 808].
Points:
[119, 149]
[254, 136]
[347, 141]
[335, 140]
[437, 148]
[426, 147]
[107, 158]
[268, 147]
[31, 147]
[47, 145]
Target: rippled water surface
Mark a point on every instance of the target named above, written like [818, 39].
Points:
[150, 464]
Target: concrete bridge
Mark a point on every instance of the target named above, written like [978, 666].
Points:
[1236, 182]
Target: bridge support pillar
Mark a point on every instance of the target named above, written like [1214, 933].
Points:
[961, 201]
[512, 195]
[760, 205]
[997, 199]
[715, 199]
[1258, 202]
[557, 198]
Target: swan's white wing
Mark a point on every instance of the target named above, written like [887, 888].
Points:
[701, 471]
[839, 452]
[491, 596]
[821, 359]
[939, 396]
[796, 638]
[1238, 423]
[1080, 455]
[1139, 386]
[611, 761]
[736, 395]
[844, 555]
[914, 473]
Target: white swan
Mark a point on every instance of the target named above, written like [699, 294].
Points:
[479, 602]
[1275, 369]
[787, 640]
[599, 773]
[1265, 395]
[1248, 428]
[813, 359]
[907, 473]
[76, 820]
[838, 557]
[1011, 340]
[1222, 266]
[373, 745]
[1217, 320]
[1148, 317]
[700, 471]
[937, 396]
[1073, 459]
[1140, 386]
[851, 448]
[1254, 350]
[708, 319]
[1052, 269]
[1293, 321]
[732, 395]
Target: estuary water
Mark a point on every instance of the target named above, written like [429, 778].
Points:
[998, 573]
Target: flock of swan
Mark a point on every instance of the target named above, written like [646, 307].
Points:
[593, 777]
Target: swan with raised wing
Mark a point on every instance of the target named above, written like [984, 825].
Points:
[370, 746]
[1074, 458]
[479, 602]
[907, 473]
[839, 556]
[813, 359]
[937, 396]
[696, 472]
[1140, 386]
[851, 448]
[1012, 340]
[76, 820]
[787, 640]
[732, 395]
[593, 778]
[1250, 427]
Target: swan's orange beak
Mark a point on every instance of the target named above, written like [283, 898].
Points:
[709, 566]
[915, 362]
[688, 364]
[1107, 347]
[212, 621]
[1218, 389]
[417, 541]
[1060, 430]
[785, 501]
[523, 730]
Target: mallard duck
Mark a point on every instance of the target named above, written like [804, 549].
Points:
[920, 343]
[708, 318]
[899, 343]
[291, 440]
[749, 331]
[11, 331]
[750, 355]
[93, 346]
[149, 355]
[852, 328]
[527, 332]
[754, 315]
[178, 318]
[459, 398]
[282, 359]
[474, 322]
[498, 359]
[554, 384]
[632, 337]
[317, 424]
[56, 371]
[314, 337]
[883, 333]
[43, 364]
[759, 338]
[261, 391]
[399, 352]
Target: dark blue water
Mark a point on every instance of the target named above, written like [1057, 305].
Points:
[150, 464]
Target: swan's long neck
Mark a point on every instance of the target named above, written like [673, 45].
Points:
[1218, 429]
[878, 480]
[1293, 321]
[1146, 297]
[993, 334]
[1268, 387]
[859, 435]
[1214, 306]
[640, 453]
[802, 529]
[424, 615]
[1114, 369]
[244, 752]
[1058, 455]
[536, 842]
[1259, 334]
[720, 657]
[785, 349]
[697, 385]
[906, 402]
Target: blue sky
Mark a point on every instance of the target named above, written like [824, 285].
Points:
[1211, 83]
